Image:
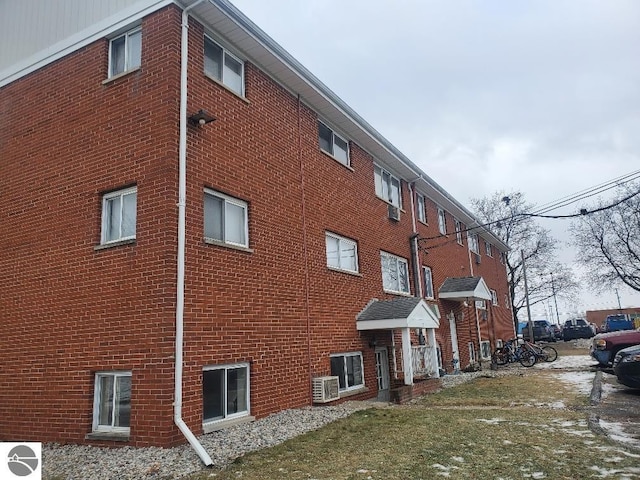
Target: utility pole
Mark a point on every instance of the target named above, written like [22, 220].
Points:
[555, 300]
[526, 296]
[618, 296]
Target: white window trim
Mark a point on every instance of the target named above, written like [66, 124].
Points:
[472, 239]
[351, 354]
[398, 260]
[499, 343]
[472, 353]
[233, 416]
[428, 273]
[494, 297]
[481, 304]
[421, 206]
[458, 226]
[105, 198]
[486, 352]
[342, 240]
[488, 249]
[442, 221]
[333, 142]
[96, 403]
[127, 67]
[221, 81]
[391, 177]
[239, 203]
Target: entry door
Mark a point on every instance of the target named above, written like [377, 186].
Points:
[382, 373]
[454, 341]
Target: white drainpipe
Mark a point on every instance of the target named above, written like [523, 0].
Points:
[182, 194]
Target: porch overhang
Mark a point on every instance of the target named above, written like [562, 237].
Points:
[399, 313]
[461, 289]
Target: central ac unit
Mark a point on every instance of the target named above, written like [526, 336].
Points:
[325, 389]
[394, 213]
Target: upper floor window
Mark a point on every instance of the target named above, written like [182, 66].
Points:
[428, 282]
[503, 258]
[488, 249]
[225, 219]
[458, 230]
[125, 52]
[395, 273]
[223, 66]
[494, 297]
[387, 186]
[333, 144]
[473, 243]
[421, 207]
[342, 253]
[112, 402]
[349, 369]
[442, 221]
[481, 304]
[119, 215]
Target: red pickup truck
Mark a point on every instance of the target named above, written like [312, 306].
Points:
[605, 345]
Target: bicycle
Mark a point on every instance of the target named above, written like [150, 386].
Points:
[546, 353]
[508, 353]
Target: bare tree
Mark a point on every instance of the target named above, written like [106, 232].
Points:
[608, 240]
[507, 216]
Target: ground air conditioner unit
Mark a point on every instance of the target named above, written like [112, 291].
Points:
[325, 389]
[394, 213]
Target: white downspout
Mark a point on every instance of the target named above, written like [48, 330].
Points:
[182, 200]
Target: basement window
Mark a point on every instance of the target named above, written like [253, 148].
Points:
[112, 402]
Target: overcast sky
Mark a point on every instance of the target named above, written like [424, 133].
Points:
[536, 96]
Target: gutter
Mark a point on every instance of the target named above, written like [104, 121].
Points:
[182, 194]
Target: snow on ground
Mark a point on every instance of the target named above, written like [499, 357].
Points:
[616, 432]
[567, 362]
[583, 381]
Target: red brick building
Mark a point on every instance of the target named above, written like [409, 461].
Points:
[166, 274]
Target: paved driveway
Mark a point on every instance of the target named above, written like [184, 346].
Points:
[618, 411]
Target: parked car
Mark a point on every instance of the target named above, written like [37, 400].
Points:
[556, 330]
[626, 366]
[541, 331]
[605, 346]
[576, 328]
[614, 323]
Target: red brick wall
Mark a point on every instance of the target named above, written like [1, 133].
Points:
[70, 310]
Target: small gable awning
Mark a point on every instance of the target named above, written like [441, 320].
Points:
[460, 289]
[410, 312]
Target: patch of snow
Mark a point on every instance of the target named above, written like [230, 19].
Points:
[616, 432]
[567, 362]
[507, 442]
[458, 459]
[583, 381]
[491, 421]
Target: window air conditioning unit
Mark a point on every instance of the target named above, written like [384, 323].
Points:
[325, 389]
[478, 258]
[394, 213]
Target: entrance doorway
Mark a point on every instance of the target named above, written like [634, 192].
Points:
[382, 373]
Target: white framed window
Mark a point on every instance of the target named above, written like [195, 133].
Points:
[439, 356]
[387, 186]
[503, 258]
[428, 282]
[225, 392]
[458, 226]
[223, 66]
[119, 215]
[349, 369]
[112, 402]
[506, 300]
[333, 144]
[485, 349]
[494, 297]
[421, 207]
[472, 238]
[395, 273]
[442, 221]
[125, 52]
[488, 249]
[225, 219]
[499, 343]
[342, 253]
[472, 353]
[481, 305]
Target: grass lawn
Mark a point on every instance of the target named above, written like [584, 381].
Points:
[489, 428]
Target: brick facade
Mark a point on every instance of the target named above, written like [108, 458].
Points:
[72, 308]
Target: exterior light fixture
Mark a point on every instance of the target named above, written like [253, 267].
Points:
[201, 118]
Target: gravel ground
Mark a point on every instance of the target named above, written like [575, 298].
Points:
[82, 462]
